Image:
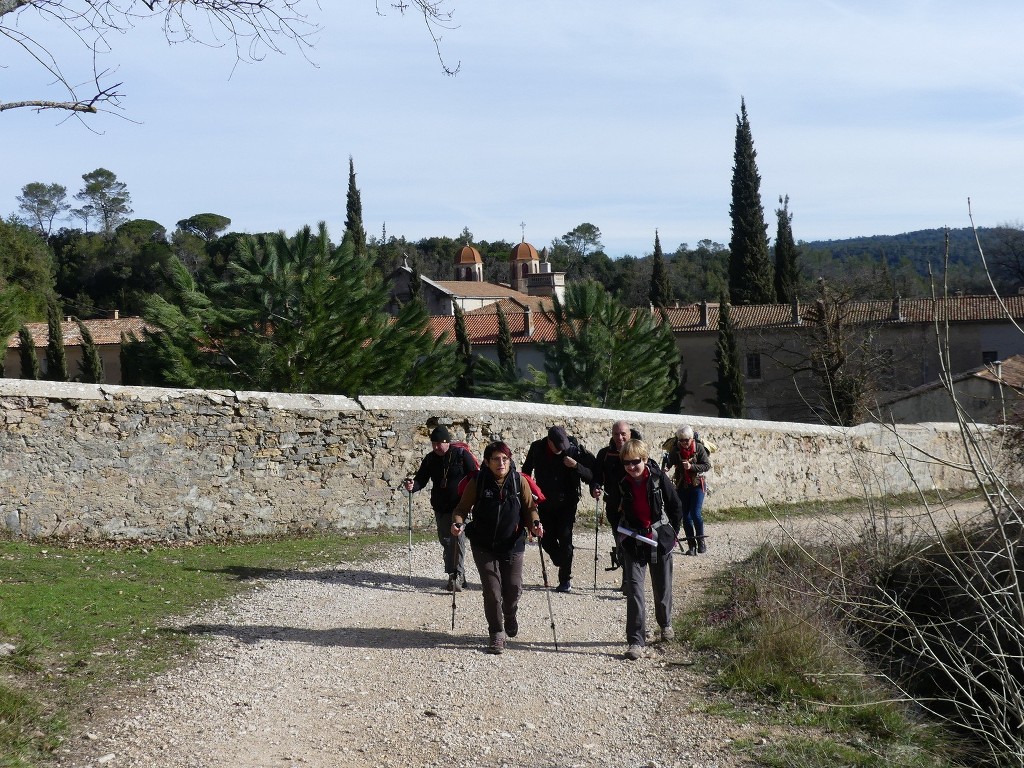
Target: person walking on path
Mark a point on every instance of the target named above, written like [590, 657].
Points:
[650, 514]
[444, 467]
[558, 463]
[503, 511]
[689, 457]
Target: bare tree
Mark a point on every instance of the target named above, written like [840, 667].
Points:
[253, 28]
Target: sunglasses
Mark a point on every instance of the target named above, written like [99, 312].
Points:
[632, 462]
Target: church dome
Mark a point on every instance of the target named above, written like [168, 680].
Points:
[468, 255]
[524, 252]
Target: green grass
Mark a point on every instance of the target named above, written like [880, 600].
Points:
[85, 619]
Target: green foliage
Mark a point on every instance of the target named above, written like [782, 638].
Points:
[660, 294]
[750, 270]
[90, 367]
[464, 383]
[42, 203]
[295, 315]
[104, 200]
[506, 352]
[56, 355]
[27, 354]
[205, 225]
[606, 356]
[354, 229]
[729, 386]
[497, 382]
[787, 269]
[26, 269]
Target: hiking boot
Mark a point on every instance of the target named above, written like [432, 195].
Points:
[453, 585]
[667, 634]
[692, 551]
[701, 549]
[465, 583]
[565, 586]
[511, 627]
[634, 652]
[497, 646]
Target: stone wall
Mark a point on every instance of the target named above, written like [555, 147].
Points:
[104, 462]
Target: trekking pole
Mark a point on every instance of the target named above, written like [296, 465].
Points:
[456, 558]
[410, 537]
[547, 591]
[597, 526]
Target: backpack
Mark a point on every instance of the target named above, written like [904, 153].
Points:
[467, 449]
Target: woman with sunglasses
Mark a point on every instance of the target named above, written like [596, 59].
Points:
[650, 515]
[503, 509]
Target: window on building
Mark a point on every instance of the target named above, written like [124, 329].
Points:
[987, 358]
[754, 365]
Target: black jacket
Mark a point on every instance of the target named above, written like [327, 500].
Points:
[561, 485]
[608, 472]
[500, 514]
[666, 509]
[444, 473]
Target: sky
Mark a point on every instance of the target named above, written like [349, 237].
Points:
[875, 117]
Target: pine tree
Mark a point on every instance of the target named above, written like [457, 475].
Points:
[90, 367]
[506, 352]
[56, 356]
[787, 268]
[295, 314]
[354, 229]
[27, 354]
[660, 293]
[729, 387]
[750, 269]
[464, 384]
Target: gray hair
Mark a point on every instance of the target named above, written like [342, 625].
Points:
[684, 432]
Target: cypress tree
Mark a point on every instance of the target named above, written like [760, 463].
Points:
[506, 352]
[729, 387]
[750, 269]
[660, 294]
[27, 354]
[787, 269]
[464, 384]
[354, 229]
[90, 367]
[56, 356]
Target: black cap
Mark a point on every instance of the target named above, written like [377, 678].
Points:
[440, 435]
[559, 439]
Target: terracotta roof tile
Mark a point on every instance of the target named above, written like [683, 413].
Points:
[103, 332]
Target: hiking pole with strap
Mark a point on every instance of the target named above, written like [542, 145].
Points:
[547, 591]
[597, 526]
[456, 557]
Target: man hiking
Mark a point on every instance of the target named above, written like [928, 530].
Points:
[444, 467]
[558, 464]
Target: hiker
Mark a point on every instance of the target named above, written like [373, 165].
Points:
[558, 463]
[503, 511]
[689, 457]
[444, 467]
[608, 471]
[649, 508]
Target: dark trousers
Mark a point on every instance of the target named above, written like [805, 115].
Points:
[558, 523]
[501, 579]
[454, 553]
[636, 560]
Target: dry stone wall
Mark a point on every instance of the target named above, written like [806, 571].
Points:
[101, 462]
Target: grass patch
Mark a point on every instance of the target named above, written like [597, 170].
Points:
[84, 619]
[774, 646]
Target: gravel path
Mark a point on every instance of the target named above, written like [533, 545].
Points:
[354, 666]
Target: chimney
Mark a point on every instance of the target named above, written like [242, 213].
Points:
[117, 314]
[897, 312]
[528, 321]
[999, 370]
[796, 311]
[704, 313]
